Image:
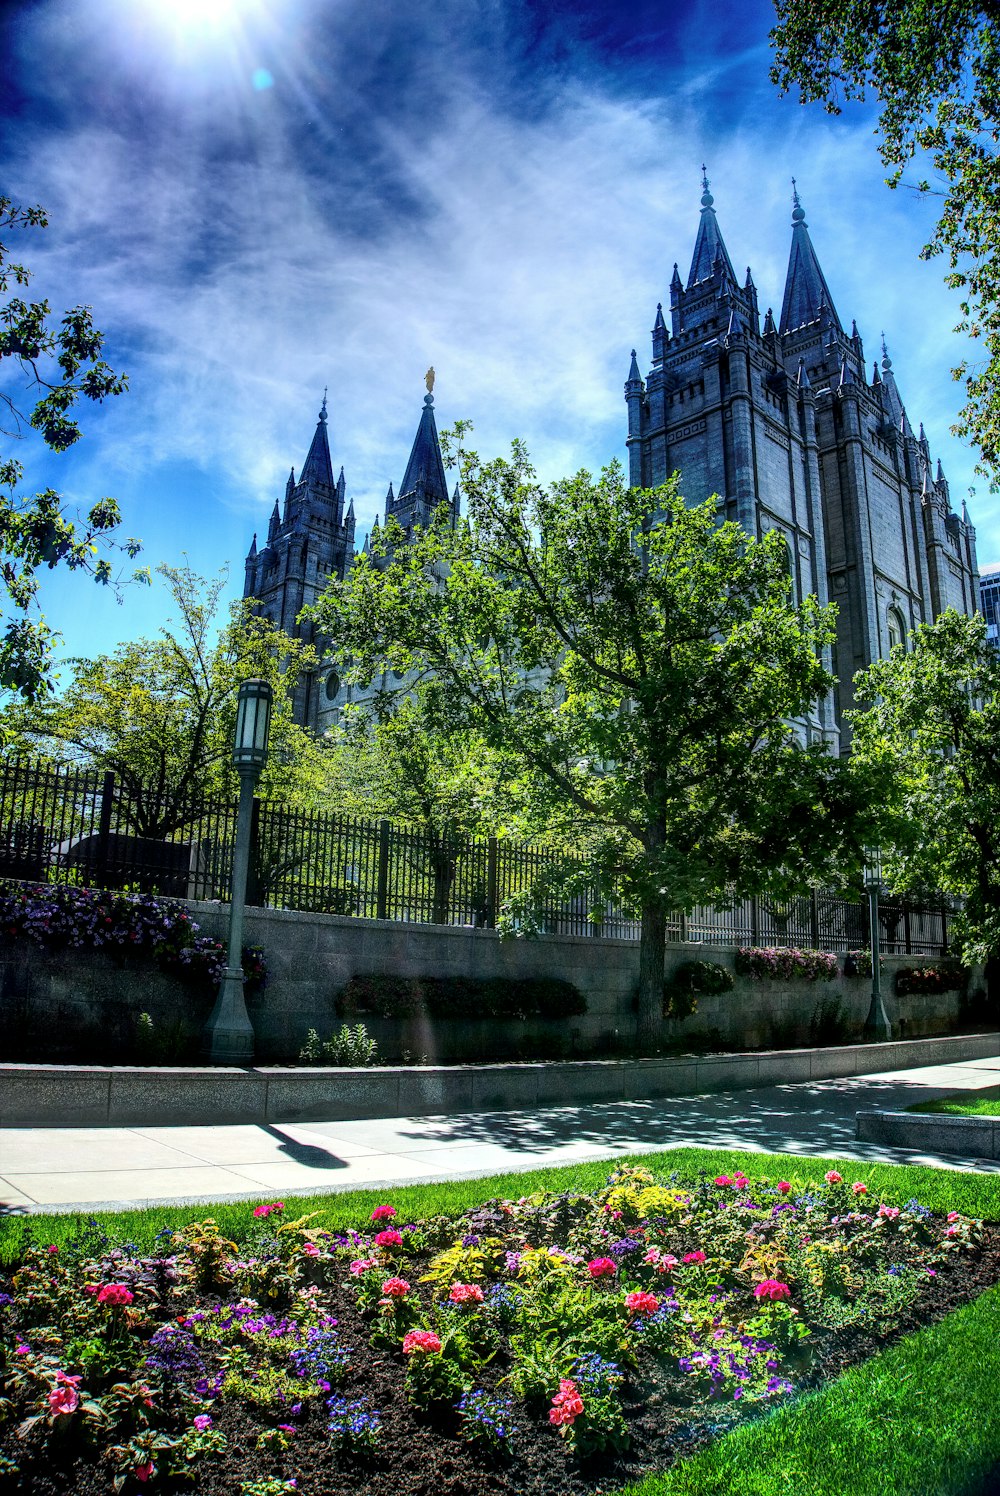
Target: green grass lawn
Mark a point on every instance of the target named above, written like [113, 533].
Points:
[920, 1419]
[964, 1104]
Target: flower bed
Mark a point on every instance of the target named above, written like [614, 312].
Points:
[786, 964]
[61, 917]
[558, 1344]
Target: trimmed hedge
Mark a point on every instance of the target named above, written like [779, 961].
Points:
[691, 980]
[461, 997]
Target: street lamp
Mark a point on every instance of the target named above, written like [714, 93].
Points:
[877, 1025]
[228, 1035]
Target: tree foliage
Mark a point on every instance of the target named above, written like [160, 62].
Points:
[61, 365]
[931, 733]
[639, 675]
[934, 66]
[160, 713]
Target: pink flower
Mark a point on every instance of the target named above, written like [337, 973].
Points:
[641, 1303]
[52, 1251]
[832, 1177]
[889, 1212]
[772, 1289]
[22, 1350]
[424, 1341]
[388, 1239]
[604, 1267]
[395, 1288]
[143, 1472]
[697, 1256]
[952, 1231]
[784, 1187]
[115, 1293]
[361, 1265]
[567, 1405]
[202, 1422]
[740, 1182]
[64, 1398]
[859, 1188]
[723, 1181]
[383, 1212]
[466, 1293]
[953, 1216]
[310, 1249]
[265, 1210]
[91, 1287]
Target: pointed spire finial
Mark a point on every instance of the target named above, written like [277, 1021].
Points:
[886, 360]
[706, 197]
[798, 212]
[322, 409]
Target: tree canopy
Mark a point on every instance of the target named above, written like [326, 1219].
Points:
[61, 365]
[160, 713]
[934, 66]
[639, 673]
[931, 734]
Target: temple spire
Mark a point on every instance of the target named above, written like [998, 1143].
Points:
[806, 291]
[317, 468]
[424, 479]
[710, 253]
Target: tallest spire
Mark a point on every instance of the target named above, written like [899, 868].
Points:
[806, 290]
[708, 246]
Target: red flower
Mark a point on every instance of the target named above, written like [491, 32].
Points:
[115, 1293]
[602, 1267]
[143, 1472]
[466, 1293]
[395, 1288]
[383, 1212]
[567, 1405]
[697, 1256]
[424, 1341]
[785, 1187]
[641, 1303]
[388, 1239]
[772, 1289]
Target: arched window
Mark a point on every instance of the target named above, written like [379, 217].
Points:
[788, 566]
[332, 685]
[897, 628]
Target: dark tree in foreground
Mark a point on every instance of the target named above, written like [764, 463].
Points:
[638, 674]
[61, 365]
[934, 66]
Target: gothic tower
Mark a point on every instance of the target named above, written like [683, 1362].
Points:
[781, 423]
[309, 540]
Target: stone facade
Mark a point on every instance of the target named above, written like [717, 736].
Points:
[780, 421]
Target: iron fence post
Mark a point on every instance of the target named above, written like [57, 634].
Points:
[491, 883]
[104, 829]
[814, 918]
[382, 891]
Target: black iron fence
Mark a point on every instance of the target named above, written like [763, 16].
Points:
[77, 825]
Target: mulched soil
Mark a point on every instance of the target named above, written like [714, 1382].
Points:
[425, 1457]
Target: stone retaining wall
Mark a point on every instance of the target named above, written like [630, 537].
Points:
[931, 1132]
[84, 1006]
[95, 1096]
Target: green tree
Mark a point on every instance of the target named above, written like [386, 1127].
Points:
[61, 365]
[640, 676]
[931, 735]
[160, 713]
[934, 66]
[390, 759]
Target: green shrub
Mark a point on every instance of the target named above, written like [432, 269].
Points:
[351, 1046]
[828, 1024]
[461, 997]
[691, 980]
[938, 976]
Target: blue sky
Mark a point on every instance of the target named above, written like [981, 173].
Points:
[261, 198]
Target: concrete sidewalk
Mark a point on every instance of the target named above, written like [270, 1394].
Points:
[66, 1169]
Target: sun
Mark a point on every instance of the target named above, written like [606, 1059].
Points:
[197, 15]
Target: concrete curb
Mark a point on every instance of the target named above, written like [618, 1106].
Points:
[931, 1132]
[136, 1096]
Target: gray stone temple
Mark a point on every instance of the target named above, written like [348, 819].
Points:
[778, 419]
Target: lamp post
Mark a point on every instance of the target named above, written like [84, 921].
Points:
[877, 1025]
[227, 1038]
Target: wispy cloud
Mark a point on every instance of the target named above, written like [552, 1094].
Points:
[241, 265]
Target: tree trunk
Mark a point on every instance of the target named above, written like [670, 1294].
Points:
[652, 948]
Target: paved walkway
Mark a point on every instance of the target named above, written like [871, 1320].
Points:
[65, 1169]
